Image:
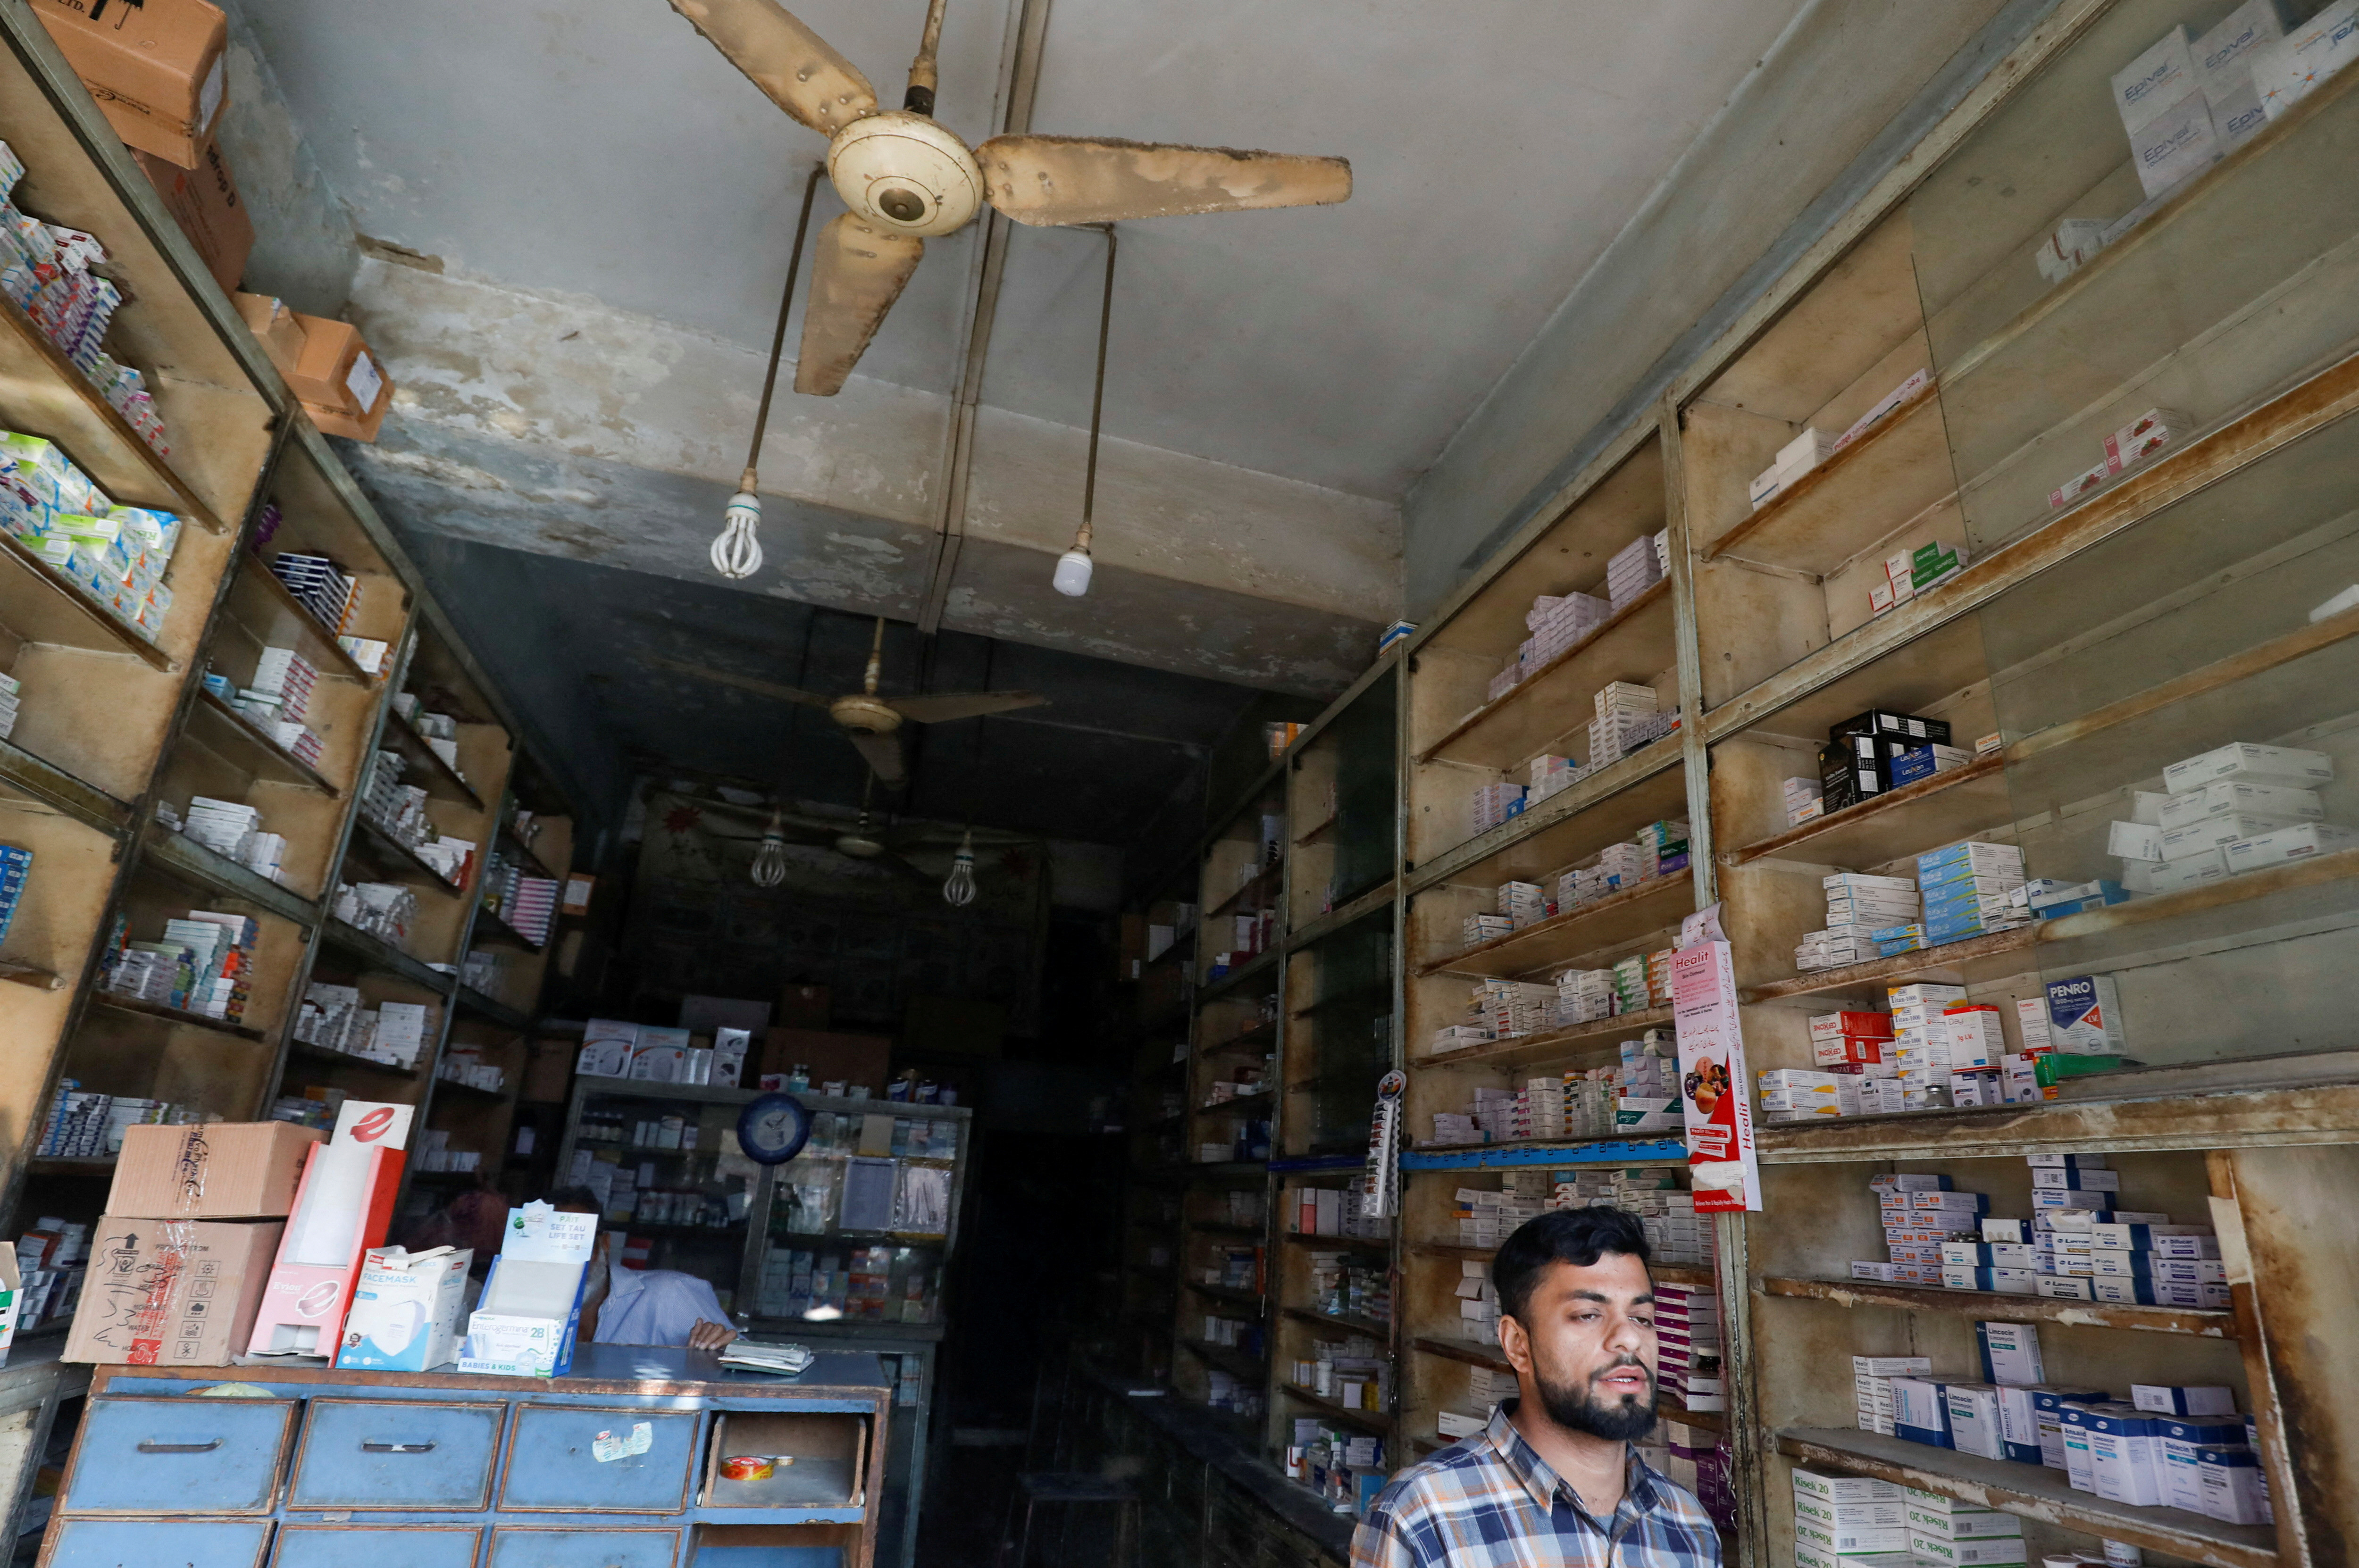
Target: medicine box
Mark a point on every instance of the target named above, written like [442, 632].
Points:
[1977, 1552]
[2156, 80]
[2010, 1352]
[1846, 1540]
[1846, 1489]
[2175, 1399]
[2241, 797]
[2301, 841]
[2261, 764]
[2178, 144]
[2085, 1016]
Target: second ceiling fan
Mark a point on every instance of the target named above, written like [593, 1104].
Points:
[906, 178]
[869, 721]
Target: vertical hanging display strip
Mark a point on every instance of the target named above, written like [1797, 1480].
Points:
[1380, 1187]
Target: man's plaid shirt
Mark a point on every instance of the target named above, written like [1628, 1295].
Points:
[1491, 1501]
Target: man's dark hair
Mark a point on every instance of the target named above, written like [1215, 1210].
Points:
[1576, 1236]
[579, 1200]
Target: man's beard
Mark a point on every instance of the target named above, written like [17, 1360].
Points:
[1581, 1410]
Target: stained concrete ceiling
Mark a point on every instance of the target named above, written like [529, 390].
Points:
[564, 224]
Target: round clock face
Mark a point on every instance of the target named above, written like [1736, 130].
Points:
[773, 1128]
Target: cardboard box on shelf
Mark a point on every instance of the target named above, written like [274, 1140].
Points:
[274, 326]
[157, 68]
[844, 1058]
[336, 422]
[204, 202]
[218, 1170]
[168, 1293]
[336, 373]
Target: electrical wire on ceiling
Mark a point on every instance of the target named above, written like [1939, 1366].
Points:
[737, 553]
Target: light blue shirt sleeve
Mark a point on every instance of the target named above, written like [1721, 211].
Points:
[656, 1306]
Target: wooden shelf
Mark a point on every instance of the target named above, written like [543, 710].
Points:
[1210, 1228]
[233, 737]
[476, 1002]
[1260, 1040]
[1265, 880]
[427, 771]
[65, 1165]
[1227, 1357]
[31, 777]
[1262, 966]
[1316, 929]
[1375, 995]
[40, 604]
[1245, 1300]
[2005, 1308]
[1377, 1421]
[321, 1054]
[391, 856]
[30, 975]
[1333, 1243]
[44, 393]
[1648, 785]
[293, 617]
[1468, 1353]
[1688, 1274]
[377, 953]
[1893, 472]
[531, 857]
[1951, 963]
[134, 1008]
[1621, 916]
[1511, 730]
[490, 927]
[1663, 1149]
[2031, 1490]
[1522, 1050]
[178, 855]
[461, 1087]
[1367, 1326]
[1963, 800]
[1318, 829]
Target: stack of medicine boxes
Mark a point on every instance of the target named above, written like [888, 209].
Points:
[1848, 1521]
[1965, 888]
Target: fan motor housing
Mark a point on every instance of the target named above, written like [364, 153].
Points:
[864, 713]
[907, 173]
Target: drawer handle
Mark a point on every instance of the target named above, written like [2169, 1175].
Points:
[149, 1445]
[389, 1445]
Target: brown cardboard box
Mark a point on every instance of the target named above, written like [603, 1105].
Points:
[214, 1170]
[172, 1294]
[203, 200]
[275, 327]
[337, 372]
[805, 1007]
[853, 1058]
[336, 422]
[156, 67]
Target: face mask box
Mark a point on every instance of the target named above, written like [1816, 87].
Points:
[405, 1313]
[538, 1279]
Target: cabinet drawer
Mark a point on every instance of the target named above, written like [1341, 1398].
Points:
[179, 1457]
[532, 1546]
[377, 1546]
[553, 1465]
[392, 1454]
[144, 1543]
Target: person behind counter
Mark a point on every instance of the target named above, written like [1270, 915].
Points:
[642, 1306]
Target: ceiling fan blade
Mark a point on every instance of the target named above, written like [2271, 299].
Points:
[786, 59]
[858, 272]
[744, 683]
[900, 866]
[943, 705]
[1047, 180]
[883, 753]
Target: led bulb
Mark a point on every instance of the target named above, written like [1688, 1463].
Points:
[959, 891]
[771, 860]
[737, 553]
[1072, 579]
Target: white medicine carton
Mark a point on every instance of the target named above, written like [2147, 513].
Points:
[2240, 797]
[2301, 841]
[2156, 81]
[2243, 760]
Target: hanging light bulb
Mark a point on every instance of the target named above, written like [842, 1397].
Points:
[771, 860]
[737, 553]
[959, 891]
[1073, 567]
[1072, 579]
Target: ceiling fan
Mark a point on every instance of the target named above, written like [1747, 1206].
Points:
[905, 176]
[868, 721]
[861, 842]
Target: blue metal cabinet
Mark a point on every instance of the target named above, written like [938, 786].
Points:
[443, 1470]
[554, 1464]
[144, 1543]
[553, 1547]
[377, 1546]
[179, 1457]
[375, 1453]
